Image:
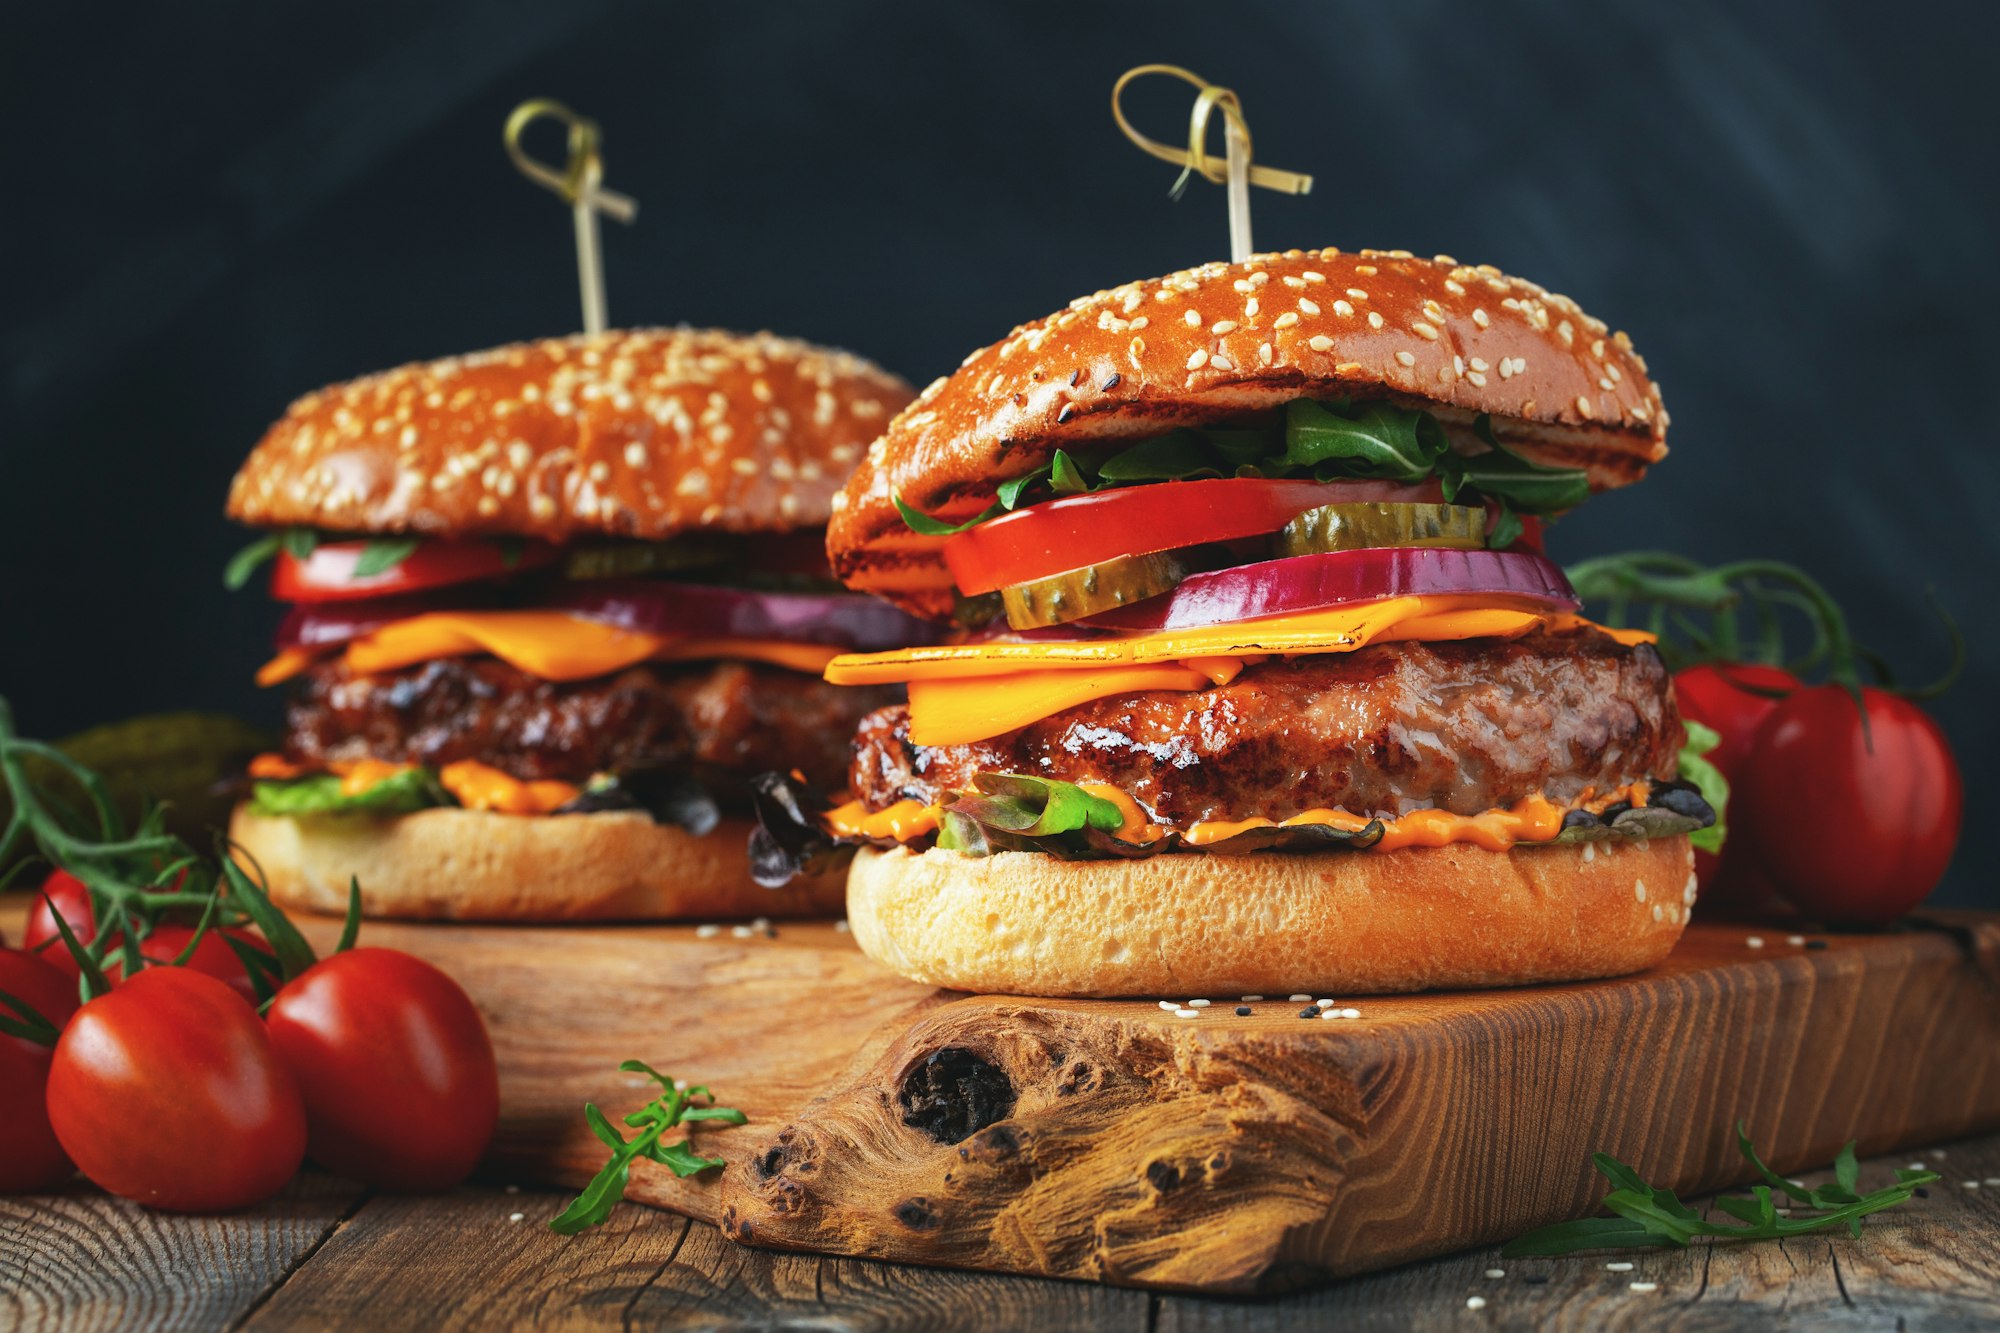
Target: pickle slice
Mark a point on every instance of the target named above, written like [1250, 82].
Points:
[1076, 593]
[1355, 526]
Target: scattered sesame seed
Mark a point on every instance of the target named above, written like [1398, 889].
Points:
[1198, 358]
[1423, 330]
[516, 1217]
[1795, 940]
[1619, 1266]
[1405, 358]
[1343, 308]
[1286, 320]
[513, 1189]
[1479, 318]
[1187, 1013]
[841, 925]
[1310, 1011]
[1480, 380]
[1496, 1272]
[1645, 1286]
[1357, 293]
[1243, 1011]
[1754, 942]
[1252, 999]
[1300, 999]
[1308, 306]
[1374, 319]
[1198, 1004]
[1220, 362]
[1475, 1302]
[741, 932]
[1350, 1013]
[707, 932]
[1194, 319]
[1324, 1004]
[1168, 1005]
[1970, 1184]
[1816, 944]
[1993, 1180]
[1319, 342]
[1221, 326]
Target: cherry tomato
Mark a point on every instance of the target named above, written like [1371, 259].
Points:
[30, 1157]
[65, 893]
[166, 1091]
[212, 956]
[401, 1090]
[1855, 827]
[327, 575]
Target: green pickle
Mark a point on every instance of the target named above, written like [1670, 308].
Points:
[1076, 593]
[1355, 526]
[630, 559]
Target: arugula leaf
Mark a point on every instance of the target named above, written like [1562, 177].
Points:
[675, 1106]
[1176, 456]
[1707, 779]
[1065, 478]
[295, 542]
[247, 561]
[1036, 807]
[920, 522]
[320, 794]
[1649, 1217]
[383, 554]
[1377, 440]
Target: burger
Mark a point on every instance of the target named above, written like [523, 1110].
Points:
[549, 606]
[1263, 682]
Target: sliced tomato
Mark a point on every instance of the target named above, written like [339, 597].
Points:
[1080, 530]
[327, 575]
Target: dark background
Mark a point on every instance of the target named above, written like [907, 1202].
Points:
[213, 208]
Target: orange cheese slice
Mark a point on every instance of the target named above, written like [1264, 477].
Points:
[481, 787]
[552, 645]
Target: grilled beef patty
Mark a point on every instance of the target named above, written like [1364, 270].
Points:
[1384, 730]
[719, 721]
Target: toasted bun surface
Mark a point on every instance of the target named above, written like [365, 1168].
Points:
[1225, 339]
[641, 433]
[466, 865]
[1183, 925]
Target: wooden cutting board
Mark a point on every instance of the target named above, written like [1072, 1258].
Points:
[1117, 1142]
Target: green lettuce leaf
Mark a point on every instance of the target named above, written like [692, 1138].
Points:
[320, 794]
[1707, 779]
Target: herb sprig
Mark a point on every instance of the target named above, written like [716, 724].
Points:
[676, 1105]
[379, 556]
[1339, 440]
[1649, 1217]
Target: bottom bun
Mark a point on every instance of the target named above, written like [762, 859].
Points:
[1184, 925]
[468, 865]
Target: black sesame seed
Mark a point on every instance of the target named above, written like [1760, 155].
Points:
[1536, 1279]
[1310, 1011]
[1064, 415]
[1074, 376]
[1243, 1011]
[1815, 944]
[1111, 383]
[1921, 1192]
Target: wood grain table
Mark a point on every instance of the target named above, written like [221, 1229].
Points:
[327, 1254]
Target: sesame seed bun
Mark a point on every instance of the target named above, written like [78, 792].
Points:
[1225, 339]
[468, 865]
[1184, 925]
[643, 433]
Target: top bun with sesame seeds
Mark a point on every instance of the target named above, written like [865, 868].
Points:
[1225, 340]
[642, 434]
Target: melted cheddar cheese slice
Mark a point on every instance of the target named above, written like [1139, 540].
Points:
[551, 645]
